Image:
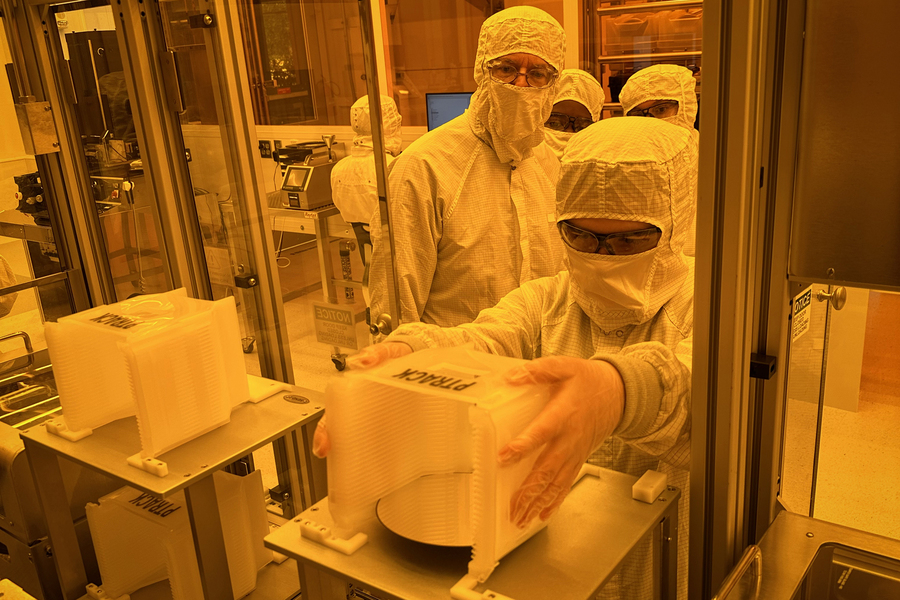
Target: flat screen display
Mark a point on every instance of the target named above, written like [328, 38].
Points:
[296, 178]
[445, 107]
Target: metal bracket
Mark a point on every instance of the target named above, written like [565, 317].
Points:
[201, 21]
[37, 126]
[763, 366]
[172, 85]
[246, 281]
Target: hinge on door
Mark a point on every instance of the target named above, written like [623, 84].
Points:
[762, 366]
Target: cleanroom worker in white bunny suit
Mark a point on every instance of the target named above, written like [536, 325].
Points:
[612, 335]
[353, 185]
[472, 211]
[669, 93]
[578, 104]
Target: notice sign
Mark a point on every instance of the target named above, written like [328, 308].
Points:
[802, 310]
[334, 325]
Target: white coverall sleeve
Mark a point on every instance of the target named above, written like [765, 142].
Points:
[416, 218]
[511, 328]
[657, 380]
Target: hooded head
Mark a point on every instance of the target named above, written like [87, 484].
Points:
[663, 82]
[640, 170]
[361, 122]
[578, 86]
[507, 117]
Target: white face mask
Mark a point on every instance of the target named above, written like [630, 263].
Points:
[615, 287]
[557, 140]
[517, 113]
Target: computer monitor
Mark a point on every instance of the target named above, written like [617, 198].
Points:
[445, 107]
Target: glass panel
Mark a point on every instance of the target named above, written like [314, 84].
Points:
[125, 202]
[215, 193]
[858, 471]
[28, 249]
[849, 191]
[859, 460]
[801, 408]
[304, 59]
[432, 48]
[659, 35]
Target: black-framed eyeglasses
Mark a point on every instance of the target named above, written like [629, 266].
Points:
[561, 122]
[504, 71]
[659, 110]
[626, 242]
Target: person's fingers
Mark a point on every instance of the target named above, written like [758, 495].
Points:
[549, 369]
[366, 358]
[551, 508]
[549, 424]
[321, 443]
[545, 499]
[374, 355]
[535, 435]
[533, 486]
[545, 487]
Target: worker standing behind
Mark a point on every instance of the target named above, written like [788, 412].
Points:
[578, 104]
[472, 211]
[612, 335]
[667, 92]
[353, 185]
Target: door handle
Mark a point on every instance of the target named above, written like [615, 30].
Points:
[838, 297]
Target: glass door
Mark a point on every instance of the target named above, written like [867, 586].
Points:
[225, 179]
[41, 275]
[122, 192]
[841, 462]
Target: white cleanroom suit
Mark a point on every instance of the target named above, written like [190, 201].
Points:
[472, 212]
[580, 86]
[666, 82]
[353, 184]
[633, 311]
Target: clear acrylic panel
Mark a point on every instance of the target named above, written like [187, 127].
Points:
[123, 195]
[628, 36]
[216, 194]
[857, 473]
[28, 250]
[802, 400]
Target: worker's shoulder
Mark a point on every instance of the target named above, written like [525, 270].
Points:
[452, 141]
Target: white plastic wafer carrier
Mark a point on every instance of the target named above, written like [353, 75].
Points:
[419, 436]
[173, 361]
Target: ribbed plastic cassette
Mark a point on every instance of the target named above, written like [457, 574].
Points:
[420, 436]
[140, 539]
[175, 362]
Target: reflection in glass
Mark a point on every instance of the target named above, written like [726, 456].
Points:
[125, 205]
[801, 408]
[304, 60]
[432, 50]
[626, 42]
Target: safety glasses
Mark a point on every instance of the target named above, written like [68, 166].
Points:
[504, 71]
[561, 122]
[627, 242]
[660, 110]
